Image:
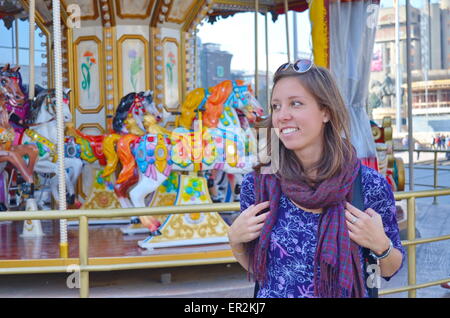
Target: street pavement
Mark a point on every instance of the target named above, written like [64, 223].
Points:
[230, 280]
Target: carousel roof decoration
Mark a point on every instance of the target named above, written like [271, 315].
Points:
[11, 10]
[226, 8]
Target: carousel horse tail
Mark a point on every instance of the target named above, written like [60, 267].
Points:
[126, 157]
[109, 149]
[214, 104]
[192, 102]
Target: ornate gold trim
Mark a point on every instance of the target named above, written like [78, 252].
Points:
[92, 125]
[134, 16]
[191, 7]
[183, 65]
[71, 68]
[193, 14]
[180, 90]
[101, 74]
[122, 39]
[86, 17]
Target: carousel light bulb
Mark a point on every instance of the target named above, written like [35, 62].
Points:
[105, 7]
[110, 107]
[110, 97]
[159, 58]
[159, 67]
[107, 24]
[109, 87]
[167, 2]
[109, 67]
[108, 35]
[107, 17]
[159, 87]
[164, 9]
[108, 48]
[159, 96]
[159, 77]
[109, 77]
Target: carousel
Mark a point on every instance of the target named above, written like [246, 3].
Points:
[120, 123]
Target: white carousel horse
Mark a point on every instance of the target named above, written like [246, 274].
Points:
[42, 132]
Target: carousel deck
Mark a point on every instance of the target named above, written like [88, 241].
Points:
[107, 246]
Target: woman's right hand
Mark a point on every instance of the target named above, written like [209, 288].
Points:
[247, 226]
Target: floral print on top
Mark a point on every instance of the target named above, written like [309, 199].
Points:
[290, 262]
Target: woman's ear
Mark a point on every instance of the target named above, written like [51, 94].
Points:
[326, 116]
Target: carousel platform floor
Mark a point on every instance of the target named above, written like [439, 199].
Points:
[107, 246]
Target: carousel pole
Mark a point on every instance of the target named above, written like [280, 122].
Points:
[398, 121]
[256, 48]
[31, 228]
[63, 245]
[32, 10]
[286, 10]
[16, 30]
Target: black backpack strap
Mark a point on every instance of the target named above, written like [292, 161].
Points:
[358, 202]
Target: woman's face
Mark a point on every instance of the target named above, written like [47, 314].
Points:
[297, 115]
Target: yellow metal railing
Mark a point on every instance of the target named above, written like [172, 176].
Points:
[435, 167]
[84, 215]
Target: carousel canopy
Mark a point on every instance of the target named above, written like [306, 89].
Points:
[226, 8]
[114, 12]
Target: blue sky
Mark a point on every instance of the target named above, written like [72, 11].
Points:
[8, 55]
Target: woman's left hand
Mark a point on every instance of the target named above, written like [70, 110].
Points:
[366, 229]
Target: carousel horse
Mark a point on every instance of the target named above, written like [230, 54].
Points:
[14, 98]
[41, 133]
[131, 108]
[15, 153]
[156, 153]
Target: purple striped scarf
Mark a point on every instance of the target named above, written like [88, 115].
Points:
[336, 255]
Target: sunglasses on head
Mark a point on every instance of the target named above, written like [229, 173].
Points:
[300, 66]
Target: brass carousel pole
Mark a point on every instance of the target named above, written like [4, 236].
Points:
[286, 10]
[31, 19]
[256, 48]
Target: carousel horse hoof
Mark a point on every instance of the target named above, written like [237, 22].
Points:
[20, 180]
[216, 200]
[27, 188]
[3, 207]
[210, 183]
[135, 221]
[237, 189]
[70, 198]
[155, 233]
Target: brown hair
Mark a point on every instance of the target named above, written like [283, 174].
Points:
[336, 147]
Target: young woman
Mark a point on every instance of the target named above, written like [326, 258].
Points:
[298, 235]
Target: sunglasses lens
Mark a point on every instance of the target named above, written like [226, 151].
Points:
[302, 66]
[283, 67]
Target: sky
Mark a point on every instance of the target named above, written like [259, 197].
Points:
[237, 36]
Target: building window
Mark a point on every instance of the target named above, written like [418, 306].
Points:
[220, 71]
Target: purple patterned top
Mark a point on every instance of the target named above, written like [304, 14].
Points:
[293, 242]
